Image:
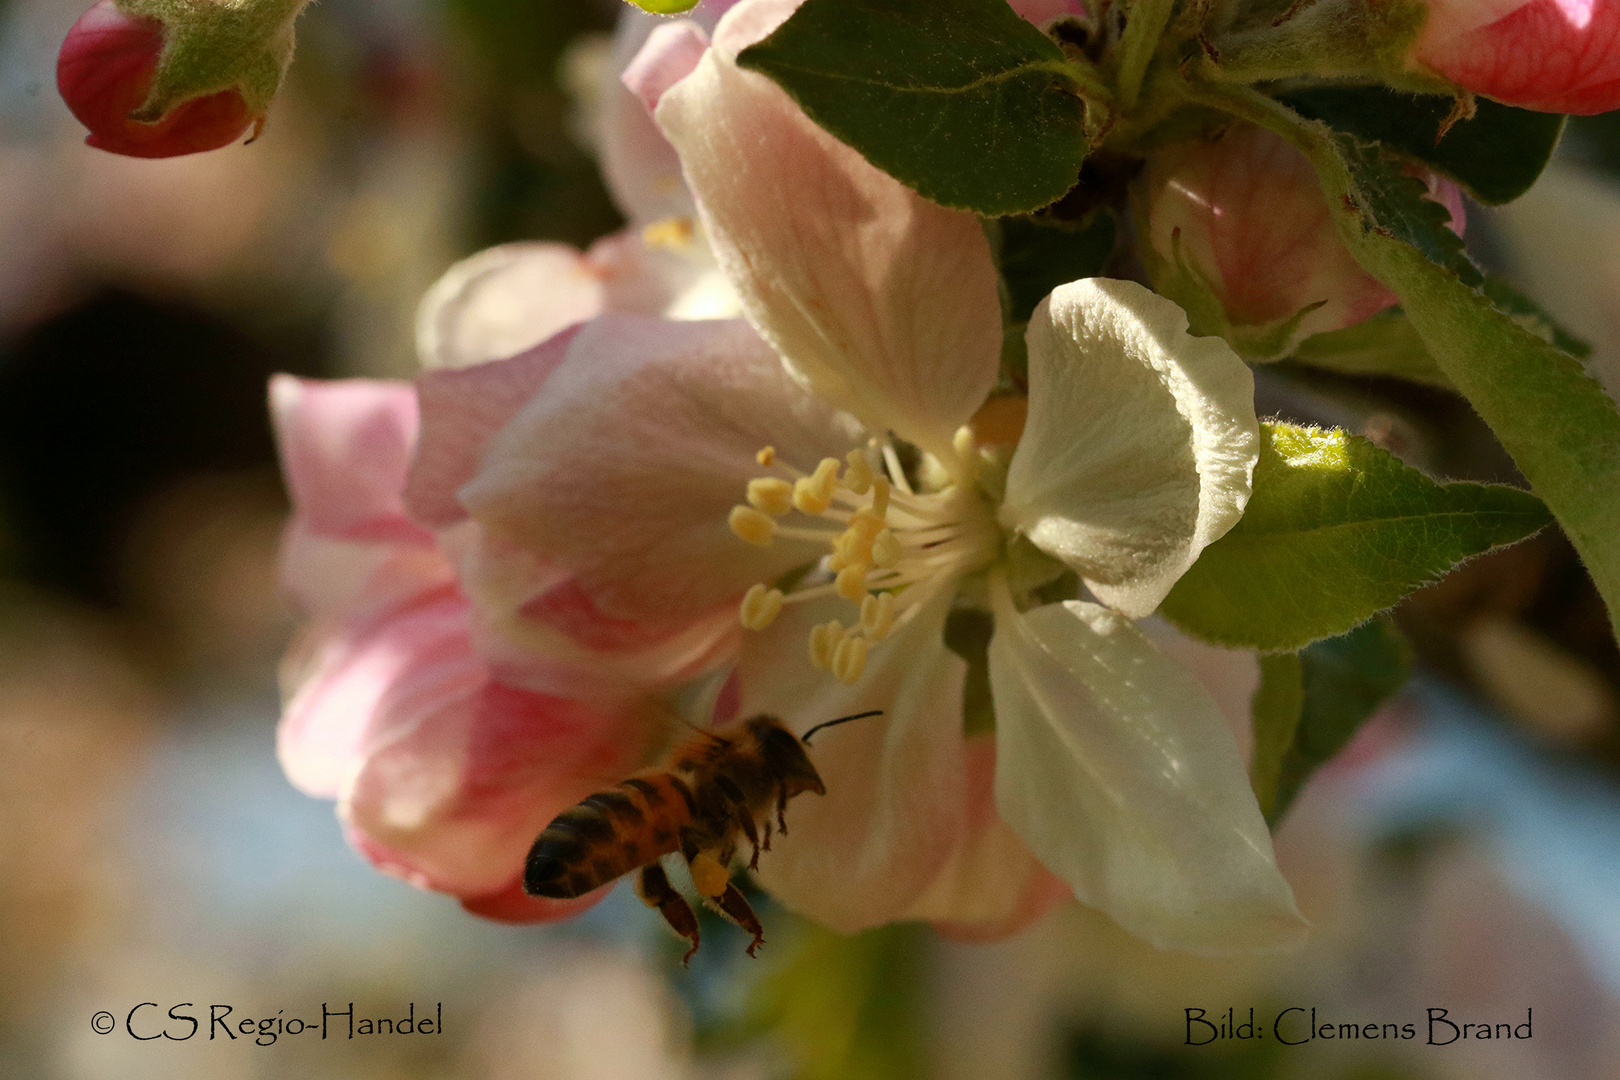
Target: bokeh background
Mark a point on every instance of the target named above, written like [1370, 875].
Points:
[1464, 854]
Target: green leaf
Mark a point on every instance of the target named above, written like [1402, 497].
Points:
[1562, 429]
[962, 100]
[1335, 531]
[1311, 704]
[1397, 206]
[1496, 155]
[1528, 314]
[1275, 710]
[1036, 258]
[1386, 345]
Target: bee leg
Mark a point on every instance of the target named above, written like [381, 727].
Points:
[746, 820]
[781, 810]
[713, 882]
[734, 906]
[653, 886]
[766, 845]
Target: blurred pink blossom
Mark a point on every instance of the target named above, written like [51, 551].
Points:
[1246, 214]
[1549, 55]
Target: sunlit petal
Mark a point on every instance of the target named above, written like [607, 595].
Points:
[883, 302]
[1120, 773]
[1140, 443]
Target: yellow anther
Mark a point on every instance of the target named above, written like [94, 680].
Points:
[671, 233]
[823, 641]
[866, 525]
[808, 498]
[847, 551]
[849, 658]
[858, 477]
[880, 496]
[962, 442]
[766, 455]
[752, 526]
[877, 615]
[770, 494]
[760, 607]
[886, 549]
[826, 476]
[851, 582]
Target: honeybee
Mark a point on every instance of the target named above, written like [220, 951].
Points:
[717, 789]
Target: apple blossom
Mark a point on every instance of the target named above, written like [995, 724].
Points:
[1113, 769]
[445, 757]
[1550, 55]
[1240, 235]
[159, 78]
[510, 297]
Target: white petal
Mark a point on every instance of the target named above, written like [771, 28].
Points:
[502, 301]
[1140, 444]
[884, 302]
[1120, 773]
[862, 854]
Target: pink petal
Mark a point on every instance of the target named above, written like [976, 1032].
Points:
[886, 303]
[512, 905]
[1249, 216]
[1550, 55]
[1041, 12]
[624, 469]
[452, 773]
[462, 788]
[992, 886]
[503, 301]
[668, 56]
[540, 630]
[345, 448]
[461, 410]
[336, 682]
[864, 853]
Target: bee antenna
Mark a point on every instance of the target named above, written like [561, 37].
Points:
[805, 738]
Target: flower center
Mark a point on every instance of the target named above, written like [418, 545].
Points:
[894, 546]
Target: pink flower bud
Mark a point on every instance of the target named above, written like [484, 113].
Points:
[1245, 214]
[104, 73]
[1550, 55]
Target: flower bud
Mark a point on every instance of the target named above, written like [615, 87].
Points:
[1240, 235]
[146, 87]
[1550, 55]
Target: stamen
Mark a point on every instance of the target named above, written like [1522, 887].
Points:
[671, 233]
[886, 550]
[771, 494]
[880, 496]
[756, 528]
[892, 549]
[858, 477]
[849, 658]
[897, 475]
[851, 583]
[824, 640]
[760, 607]
[877, 615]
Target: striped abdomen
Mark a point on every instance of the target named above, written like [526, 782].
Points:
[608, 835]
